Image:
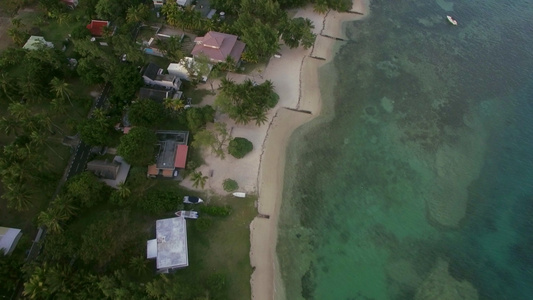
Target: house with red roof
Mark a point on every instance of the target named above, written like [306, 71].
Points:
[218, 46]
[96, 27]
[172, 154]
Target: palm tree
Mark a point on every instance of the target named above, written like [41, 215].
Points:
[63, 205]
[137, 13]
[138, 264]
[19, 110]
[58, 106]
[123, 190]
[198, 179]
[18, 196]
[9, 126]
[61, 89]
[50, 219]
[175, 105]
[36, 287]
[38, 139]
[8, 85]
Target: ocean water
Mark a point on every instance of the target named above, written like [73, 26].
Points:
[417, 183]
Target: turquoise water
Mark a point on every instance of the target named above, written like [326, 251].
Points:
[417, 183]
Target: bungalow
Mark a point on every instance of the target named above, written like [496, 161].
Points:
[153, 75]
[36, 42]
[110, 172]
[9, 237]
[185, 67]
[96, 27]
[172, 154]
[169, 248]
[218, 46]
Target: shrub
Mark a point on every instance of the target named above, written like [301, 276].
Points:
[156, 202]
[216, 211]
[239, 147]
[230, 185]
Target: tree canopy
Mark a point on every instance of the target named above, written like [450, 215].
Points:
[138, 146]
[239, 147]
[247, 101]
[146, 112]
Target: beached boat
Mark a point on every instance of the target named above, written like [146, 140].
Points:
[188, 214]
[239, 194]
[192, 200]
[451, 20]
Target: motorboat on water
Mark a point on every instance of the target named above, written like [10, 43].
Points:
[239, 194]
[192, 200]
[451, 20]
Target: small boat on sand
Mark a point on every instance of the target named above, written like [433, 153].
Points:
[188, 214]
[451, 20]
[239, 194]
[192, 200]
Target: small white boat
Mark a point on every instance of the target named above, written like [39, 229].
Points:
[188, 214]
[192, 200]
[451, 20]
[239, 194]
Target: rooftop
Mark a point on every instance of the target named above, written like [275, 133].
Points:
[157, 95]
[35, 42]
[171, 241]
[9, 238]
[151, 71]
[217, 46]
[96, 27]
[168, 147]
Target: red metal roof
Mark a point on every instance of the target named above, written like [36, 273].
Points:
[181, 156]
[97, 27]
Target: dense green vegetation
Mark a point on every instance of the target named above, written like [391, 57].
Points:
[96, 235]
[230, 185]
[239, 147]
[247, 101]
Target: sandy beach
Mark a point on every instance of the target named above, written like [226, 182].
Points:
[295, 78]
[300, 102]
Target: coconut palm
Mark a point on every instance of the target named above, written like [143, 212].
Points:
[19, 110]
[64, 206]
[138, 264]
[7, 84]
[61, 89]
[51, 219]
[123, 190]
[198, 179]
[137, 13]
[175, 105]
[17, 196]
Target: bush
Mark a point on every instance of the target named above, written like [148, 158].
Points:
[230, 185]
[216, 211]
[156, 202]
[239, 147]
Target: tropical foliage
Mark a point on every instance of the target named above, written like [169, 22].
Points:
[138, 146]
[230, 185]
[239, 147]
[215, 139]
[247, 101]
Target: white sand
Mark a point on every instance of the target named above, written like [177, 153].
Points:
[295, 78]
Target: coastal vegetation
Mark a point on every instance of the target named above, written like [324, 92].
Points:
[239, 147]
[96, 235]
[247, 101]
[230, 185]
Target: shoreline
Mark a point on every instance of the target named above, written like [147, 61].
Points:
[266, 281]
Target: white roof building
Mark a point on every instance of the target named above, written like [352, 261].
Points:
[181, 69]
[35, 42]
[169, 248]
[9, 238]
